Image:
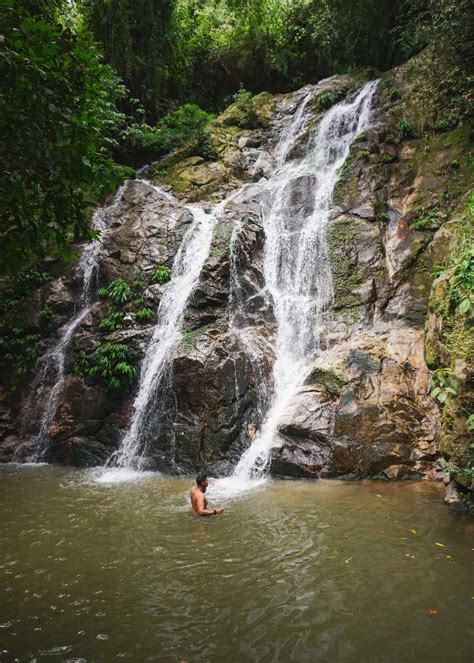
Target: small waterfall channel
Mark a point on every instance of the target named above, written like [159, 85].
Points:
[47, 387]
[297, 211]
[188, 262]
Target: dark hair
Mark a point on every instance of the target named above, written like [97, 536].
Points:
[202, 476]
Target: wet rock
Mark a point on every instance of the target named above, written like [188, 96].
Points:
[370, 409]
[13, 448]
[249, 141]
[397, 472]
[146, 231]
[311, 418]
[81, 452]
[458, 502]
[308, 460]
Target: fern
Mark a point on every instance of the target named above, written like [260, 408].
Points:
[162, 274]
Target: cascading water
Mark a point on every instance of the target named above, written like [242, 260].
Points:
[48, 384]
[296, 263]
[297, 273]
[187, 267]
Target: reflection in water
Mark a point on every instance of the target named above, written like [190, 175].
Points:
[295, 571]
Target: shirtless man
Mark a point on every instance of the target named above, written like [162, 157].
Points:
[198, 501]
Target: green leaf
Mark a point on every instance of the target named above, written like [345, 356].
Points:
[464, 306]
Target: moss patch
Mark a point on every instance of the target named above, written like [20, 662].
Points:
[188, 339]
[328, 379]
[345, 273]
[249, 113]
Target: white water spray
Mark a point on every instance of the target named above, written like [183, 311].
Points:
[296, 262]
[49, 381]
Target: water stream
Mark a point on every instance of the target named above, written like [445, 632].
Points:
[187, 266]
[296, 205]
[46, 390]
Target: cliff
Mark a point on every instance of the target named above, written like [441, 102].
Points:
[400, 211]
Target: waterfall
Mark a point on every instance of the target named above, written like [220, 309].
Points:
[186, 270]
[48, 384]
[296, 205]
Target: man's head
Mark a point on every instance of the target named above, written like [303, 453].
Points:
[202, 481]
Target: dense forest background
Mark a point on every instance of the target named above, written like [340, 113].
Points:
[92, 88]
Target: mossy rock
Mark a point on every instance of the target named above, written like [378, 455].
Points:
[255, 114]
[220, 240]
[225, 138]
[194, 177]
[189, 337]
[171, 160]
[362, 155]
[327, 379]
[346, 277]
[264, 107]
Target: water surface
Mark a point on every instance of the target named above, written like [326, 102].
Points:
[295, 571]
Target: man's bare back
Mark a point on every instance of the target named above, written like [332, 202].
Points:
[198, 499]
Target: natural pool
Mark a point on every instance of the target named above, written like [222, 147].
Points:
[294, 571]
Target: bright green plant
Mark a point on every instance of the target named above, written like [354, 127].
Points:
[462, 282]
[112, 322]
[144, 314]
[460, 463]
[118, 291]
[57, 116]
[386, 156]
[437, 271]
[112, 364]
[46, 312]
[242, 96]
[187, 125]
[162, 274]
[405, 128]
[383, 213]
[18, 349]
[460, 270]
[443, 385]
[425, 220]
[327, 99]
[446, 123]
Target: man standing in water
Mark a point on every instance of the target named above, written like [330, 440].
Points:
[198, 501]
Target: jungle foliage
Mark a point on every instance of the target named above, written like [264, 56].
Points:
[57, 121]
[88, 83]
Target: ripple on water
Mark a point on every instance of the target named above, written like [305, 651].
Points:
[293, 571]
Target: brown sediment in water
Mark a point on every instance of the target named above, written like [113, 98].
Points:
[298, 570]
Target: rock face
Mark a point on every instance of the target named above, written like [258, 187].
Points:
[365, 414]
[364, 410]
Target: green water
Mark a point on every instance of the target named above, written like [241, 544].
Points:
[297, 571]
